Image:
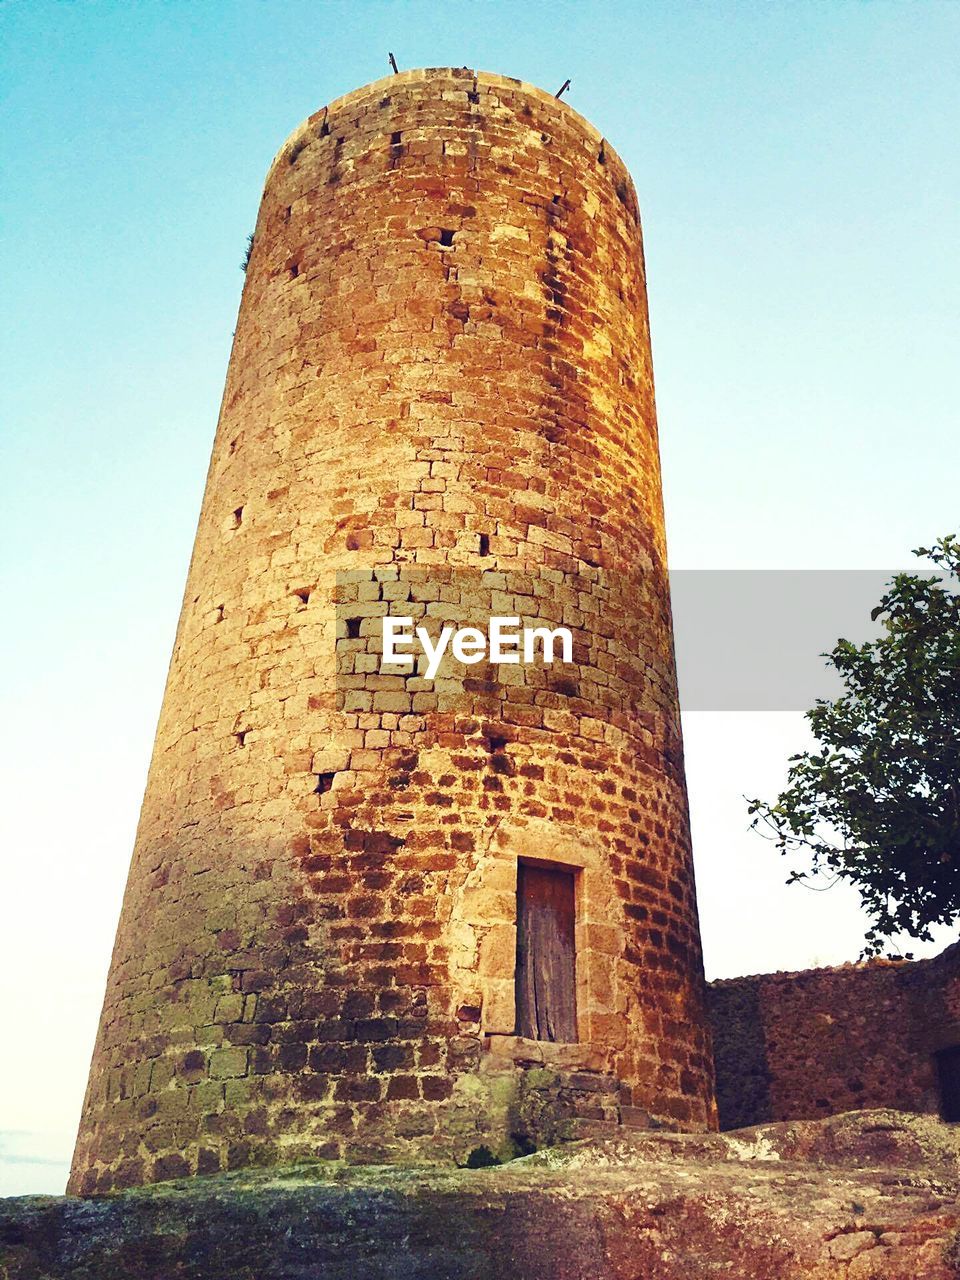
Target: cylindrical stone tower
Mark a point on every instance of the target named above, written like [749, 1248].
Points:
[439, 405]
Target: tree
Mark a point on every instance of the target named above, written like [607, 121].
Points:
[878, 804]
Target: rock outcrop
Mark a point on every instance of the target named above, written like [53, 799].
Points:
[862, 1196]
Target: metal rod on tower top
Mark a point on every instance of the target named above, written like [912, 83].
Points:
[563, 89]
[393, 63]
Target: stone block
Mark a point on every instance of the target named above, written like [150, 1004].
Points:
[226, 1064]
[498, 952]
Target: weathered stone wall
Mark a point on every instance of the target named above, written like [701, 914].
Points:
[440, 397]
[802, 1045]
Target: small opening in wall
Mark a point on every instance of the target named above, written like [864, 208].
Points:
[303, 594]
[241, 737]
[446, 238]
[324, 783]
[484, 544]
[294, 270]
[546, 960]
[482, 1158]
[566, 686]
[238, 517]
[395, 138]
[473, 96]
[948, 1071]
[353, 628]
[219, 617]
[602, 157]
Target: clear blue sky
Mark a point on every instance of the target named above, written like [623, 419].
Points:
[797, 167]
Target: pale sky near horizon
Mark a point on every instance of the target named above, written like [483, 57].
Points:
[799, 183]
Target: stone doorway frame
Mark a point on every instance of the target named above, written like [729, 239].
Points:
[487, 916]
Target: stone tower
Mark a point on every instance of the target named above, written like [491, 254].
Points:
[439, 404]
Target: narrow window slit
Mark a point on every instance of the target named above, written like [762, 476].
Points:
[484, 544]
[238, 517]
[353, 628]
[324, 783]
[241, 737]
[446, 238]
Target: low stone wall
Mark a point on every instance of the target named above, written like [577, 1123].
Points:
[801, 1045]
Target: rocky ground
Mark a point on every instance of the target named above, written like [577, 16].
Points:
[856, 1197]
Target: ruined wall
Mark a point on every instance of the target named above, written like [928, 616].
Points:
[440, 397]
[802, 1045]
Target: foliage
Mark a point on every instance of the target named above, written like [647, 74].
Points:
[878, 804]
[246, 257]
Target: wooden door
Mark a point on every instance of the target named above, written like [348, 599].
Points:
[546, 961]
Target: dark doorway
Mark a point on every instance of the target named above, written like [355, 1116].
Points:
[948, 1069]
[546, 962]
